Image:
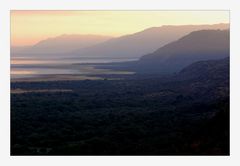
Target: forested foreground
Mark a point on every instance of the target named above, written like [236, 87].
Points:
[121, 117]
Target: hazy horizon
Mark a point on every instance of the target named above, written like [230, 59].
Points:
[100, 35]
[34, 26]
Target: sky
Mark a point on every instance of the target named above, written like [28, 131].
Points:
[30, 27]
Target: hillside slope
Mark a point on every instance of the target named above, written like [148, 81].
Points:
[58, 46]
[143, 42]
[196, 46]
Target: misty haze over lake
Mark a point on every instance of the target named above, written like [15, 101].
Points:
[25, 67]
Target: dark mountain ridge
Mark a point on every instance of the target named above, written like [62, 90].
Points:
[203, 70]
[197, 46]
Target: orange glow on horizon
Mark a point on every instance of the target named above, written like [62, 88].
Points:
[29, 27]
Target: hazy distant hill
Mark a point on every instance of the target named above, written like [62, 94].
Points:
[58, 46]
[196, 46]
[144, 42]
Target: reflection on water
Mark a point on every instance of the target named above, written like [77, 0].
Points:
[25, 60]
[33, 72]
[21, 72]
[18, 61]
[32, 68]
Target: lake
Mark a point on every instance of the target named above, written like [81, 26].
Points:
[27, 68]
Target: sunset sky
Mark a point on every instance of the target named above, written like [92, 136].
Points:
[29, 27]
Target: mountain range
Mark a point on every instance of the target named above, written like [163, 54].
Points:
[196, 46]
[127, 46]
[143, 42]
[60, 46]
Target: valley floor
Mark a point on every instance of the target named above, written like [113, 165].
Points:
[138, 116]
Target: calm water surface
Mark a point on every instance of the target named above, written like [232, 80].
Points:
[27, 67]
